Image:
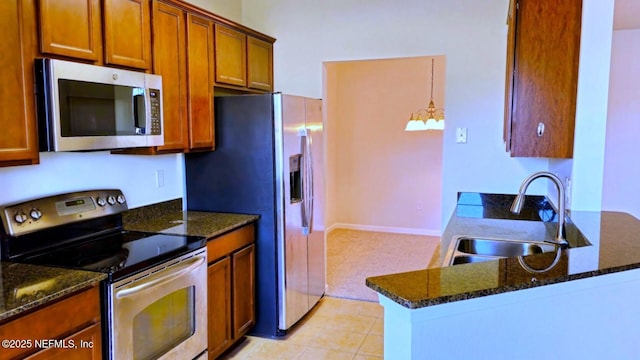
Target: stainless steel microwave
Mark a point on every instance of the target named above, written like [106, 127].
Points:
[85, 107]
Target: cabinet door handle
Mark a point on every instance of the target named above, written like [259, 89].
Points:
[540, 129]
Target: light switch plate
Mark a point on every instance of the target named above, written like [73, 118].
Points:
[159, 178]
[461, 135]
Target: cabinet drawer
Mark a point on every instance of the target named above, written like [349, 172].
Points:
[230, 242]
[54, 321]
[87, 343]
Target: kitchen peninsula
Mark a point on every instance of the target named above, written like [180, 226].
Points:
[584, 307]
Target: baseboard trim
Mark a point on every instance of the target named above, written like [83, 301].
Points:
[387, 229]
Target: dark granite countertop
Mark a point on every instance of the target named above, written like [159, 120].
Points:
[24, 287]
[198, 223]
[614, 239]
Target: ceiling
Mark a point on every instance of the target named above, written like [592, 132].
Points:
[626, 14]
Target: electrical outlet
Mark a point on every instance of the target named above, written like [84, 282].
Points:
[419, 205]
[461, 135]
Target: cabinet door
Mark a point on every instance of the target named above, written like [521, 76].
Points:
[219, 306]
[169, 60]
[231, 56]
[243, 262]
[88, 344]
[53, 321]
[508, 86]
[259, 64]
[18, 138]
[71, 28]
[127, 33]
[547, 49]
[200, 70]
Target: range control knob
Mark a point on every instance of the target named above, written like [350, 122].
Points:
[111, 199]
[20, 217]
[35, 214]
[120, 199]
[101, 201]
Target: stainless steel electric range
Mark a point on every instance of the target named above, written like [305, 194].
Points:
[154, 298]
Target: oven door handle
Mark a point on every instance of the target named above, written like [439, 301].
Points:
[171, 273]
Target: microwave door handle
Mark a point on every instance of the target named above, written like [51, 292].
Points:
[139, 113]
[171, 273]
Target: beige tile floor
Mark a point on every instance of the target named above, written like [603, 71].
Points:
[334, 329]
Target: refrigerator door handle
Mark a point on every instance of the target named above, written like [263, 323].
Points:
[310, 181]
[302, 132]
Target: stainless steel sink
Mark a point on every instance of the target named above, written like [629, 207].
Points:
[465, 249]
[468, 259]
[502, 248]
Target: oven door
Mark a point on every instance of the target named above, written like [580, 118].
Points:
[162, 312]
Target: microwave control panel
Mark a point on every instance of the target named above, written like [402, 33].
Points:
[154, 101]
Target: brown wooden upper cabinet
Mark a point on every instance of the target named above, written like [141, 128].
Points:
[541, 77]
[73, 28]
[127, 33]
[18, 138]
[200, 73]
[243, 61]
[193, 50]
[259, 64]
[183, 56]
[231, 56]
[170, 61]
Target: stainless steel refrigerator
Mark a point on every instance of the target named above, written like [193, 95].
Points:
[268, 161]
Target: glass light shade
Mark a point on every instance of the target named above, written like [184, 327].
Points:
[432, 124]
[415, 125]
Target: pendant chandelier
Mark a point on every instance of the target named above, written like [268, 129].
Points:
[431, 118]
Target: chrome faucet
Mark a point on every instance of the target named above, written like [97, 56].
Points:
[518, 202]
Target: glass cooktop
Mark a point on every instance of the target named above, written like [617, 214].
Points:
[120, 254]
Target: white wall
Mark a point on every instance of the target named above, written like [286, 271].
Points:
[622, 153]
[230, 9]
[586, 169]
[66, 172]
[379, 176]
[591, 110]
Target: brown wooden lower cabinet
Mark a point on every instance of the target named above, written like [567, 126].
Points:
[243, 265]
[231, 288]
[87, 342]
[219, 310]
[66, 329]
